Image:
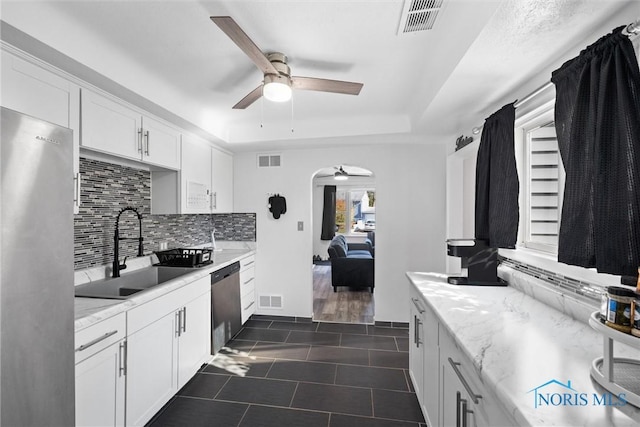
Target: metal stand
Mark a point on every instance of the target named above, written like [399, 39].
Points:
[617, 375]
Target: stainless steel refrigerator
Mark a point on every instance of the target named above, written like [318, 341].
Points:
[36, 273]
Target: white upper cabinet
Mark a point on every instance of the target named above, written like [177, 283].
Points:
[32, 89]
[115, 128]
[221, 181]
[195, 176]
[161, 143]
[206, 178]
[110, 127]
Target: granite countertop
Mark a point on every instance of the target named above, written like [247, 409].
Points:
[517, 344]
[91, 310]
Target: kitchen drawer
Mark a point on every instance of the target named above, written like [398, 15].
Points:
[459, 375]
[247, 280]
[148, 312]
[99, 336]
[248, 303]
[247, 262]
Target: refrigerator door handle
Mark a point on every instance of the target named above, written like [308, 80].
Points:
[76, 199]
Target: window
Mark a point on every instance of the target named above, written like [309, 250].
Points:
[355, 210]
[544, 183]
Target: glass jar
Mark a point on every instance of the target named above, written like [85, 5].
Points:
[635, 322]
[621, 306]
[604, 307]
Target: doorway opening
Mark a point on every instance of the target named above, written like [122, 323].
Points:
[351, 211]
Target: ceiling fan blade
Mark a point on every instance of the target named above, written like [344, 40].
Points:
[252, 97]
[239, 37]
[325, 85]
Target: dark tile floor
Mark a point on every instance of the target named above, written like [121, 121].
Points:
[288, 373]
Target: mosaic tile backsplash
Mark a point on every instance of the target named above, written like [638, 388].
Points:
[107, 188]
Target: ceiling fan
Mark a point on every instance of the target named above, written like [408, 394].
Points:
[278, 81]
[341, 174]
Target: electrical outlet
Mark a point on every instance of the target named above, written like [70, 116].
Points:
[300, 226]
[164, 246]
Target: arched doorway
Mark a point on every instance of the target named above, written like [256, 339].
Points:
[355, 220]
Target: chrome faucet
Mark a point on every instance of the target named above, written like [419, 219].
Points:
[116, 242]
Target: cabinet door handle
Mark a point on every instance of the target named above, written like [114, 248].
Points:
[415, 302]
[246, 282]
[465, 411]
[249, 306]
[184, 319]
[247, 264]
[416, 331]
[146, 136]
[178, 323]
[470, 392]
[122, 354]
[458, 399]
[140, 140]
[96, 341]
[215, 200]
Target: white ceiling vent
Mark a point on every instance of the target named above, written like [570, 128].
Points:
[269, 160]
[419, 15]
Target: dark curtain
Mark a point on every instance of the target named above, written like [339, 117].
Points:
[496, 214]
[329, 213]
[597, 118]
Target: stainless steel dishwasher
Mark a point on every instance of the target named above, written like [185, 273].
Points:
[226, 311]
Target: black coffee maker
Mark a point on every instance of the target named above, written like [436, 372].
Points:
[480, 260]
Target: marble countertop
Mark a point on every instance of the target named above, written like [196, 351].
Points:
[91, 310]
[517, 344]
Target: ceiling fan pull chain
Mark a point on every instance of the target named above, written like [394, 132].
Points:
[292, 113]
[261, 112]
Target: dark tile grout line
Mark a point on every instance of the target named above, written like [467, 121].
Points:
[397, 350]
[249, 405]
[310, 345]
[408, 390]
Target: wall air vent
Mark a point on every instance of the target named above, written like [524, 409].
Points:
[269, 160]
[419, 15]
[270, 301]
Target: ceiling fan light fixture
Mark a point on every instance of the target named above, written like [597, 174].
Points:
[276, 88]
[341, 175]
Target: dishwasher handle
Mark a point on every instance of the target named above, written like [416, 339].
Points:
[225, 272]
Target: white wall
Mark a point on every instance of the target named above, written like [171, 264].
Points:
[410, 220]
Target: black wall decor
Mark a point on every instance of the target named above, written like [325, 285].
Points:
[277, 205]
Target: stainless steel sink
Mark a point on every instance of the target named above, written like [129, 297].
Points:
[130, 283]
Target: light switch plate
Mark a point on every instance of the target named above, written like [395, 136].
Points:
[300, 225]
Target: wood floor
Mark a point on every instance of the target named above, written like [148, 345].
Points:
[345, 306]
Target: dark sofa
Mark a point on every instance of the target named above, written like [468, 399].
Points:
[352, 264]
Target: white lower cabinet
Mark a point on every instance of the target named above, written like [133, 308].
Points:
[100, 373]
[130, 365]
[424, 364]
[416, 348]
[194, 347]
[169, 339]
[247, 287]
[462, 403]
[447, 386]
[466, 399]
[431, 367]
[151, 377]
